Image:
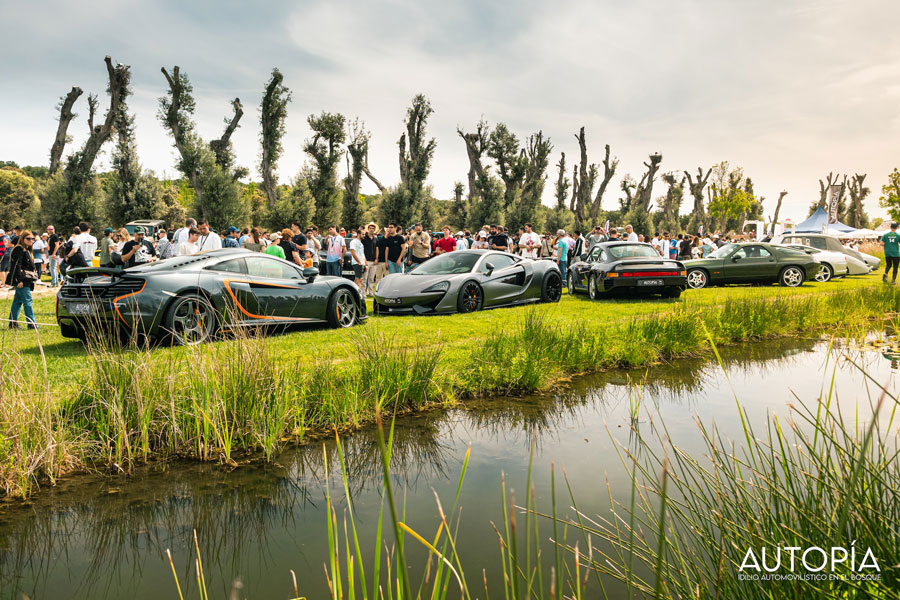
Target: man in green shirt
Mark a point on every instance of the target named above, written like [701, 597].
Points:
[274, 249]
[891, 243]
[105, 260]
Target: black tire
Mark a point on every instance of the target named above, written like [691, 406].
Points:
[191, 320]
[825, 274]
[343, 310]
[551, 287]
[471, 297]
[594, 286]
[571, 284]
[697, 279]
[672, 292]
[791, 276]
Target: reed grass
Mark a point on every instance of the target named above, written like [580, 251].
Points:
[225, 400]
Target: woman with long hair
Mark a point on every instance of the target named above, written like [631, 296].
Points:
[253, 242]
[122, 237]
[22, 275]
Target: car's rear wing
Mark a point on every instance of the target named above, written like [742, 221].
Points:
[79, 274]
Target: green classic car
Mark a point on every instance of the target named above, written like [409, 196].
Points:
[751, 262]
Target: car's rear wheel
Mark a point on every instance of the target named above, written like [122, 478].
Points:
[470, 298]
[551, 287]
[343, 311]
[190, 320]
[571, 284]
[593, 289]
[825, 273]
[697, 279]
[791, 277]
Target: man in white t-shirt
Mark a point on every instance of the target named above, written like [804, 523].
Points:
[181, 234]
[529, 242]
[209, 239]
[189, 246]
[630, 235]
[85, 242]
[357, 259]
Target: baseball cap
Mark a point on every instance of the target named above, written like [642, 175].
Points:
[482, 234]
[139, 229]
[232, 229]
[107, 231]
[460, 233]
[274, 236]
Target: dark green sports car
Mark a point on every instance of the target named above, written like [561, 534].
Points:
[191, 298]
[751, 262]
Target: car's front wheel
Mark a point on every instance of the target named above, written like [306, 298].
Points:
[825, 273]
[470, 298]
[792, 277]
[190, 320]
[343, 311]
[697, 279]
[571, 284]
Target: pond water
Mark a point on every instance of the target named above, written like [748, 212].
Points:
[93, 537]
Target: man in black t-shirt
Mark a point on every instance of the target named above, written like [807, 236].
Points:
[139, 250]
[298, 238]
[499, 241]
[370, 251]
[395, 248]
[53, 243]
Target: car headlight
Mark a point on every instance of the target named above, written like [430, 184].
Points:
[441, 286]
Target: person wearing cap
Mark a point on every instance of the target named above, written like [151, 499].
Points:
[164, 248]
[231, 237]
[891, 243]
[189, 246]
[274, 249]
[105, 243]
[481, 243]
[138, 251]
[461, 242]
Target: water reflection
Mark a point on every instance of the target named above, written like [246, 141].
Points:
[96, 537]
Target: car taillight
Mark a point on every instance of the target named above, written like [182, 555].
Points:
[649, 273]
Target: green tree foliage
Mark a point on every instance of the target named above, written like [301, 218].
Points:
[459, 210]
[18, 200]
[294, 203]
[210, 172]
[503, 147]
[537, 154]
[358, 149]
[856, 212]
[416, 154]
[65, 207]
[560, 217]
[489, 210]
[272, 115]
[324, 148]
[890, 195]
[731, 198]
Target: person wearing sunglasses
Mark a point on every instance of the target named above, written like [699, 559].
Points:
[22, 275]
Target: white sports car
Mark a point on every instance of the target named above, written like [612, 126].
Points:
[834, 264]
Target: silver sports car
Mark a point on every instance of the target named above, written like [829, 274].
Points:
[468, 280]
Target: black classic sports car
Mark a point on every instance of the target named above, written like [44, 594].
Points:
[752, 262]
[191, 298]
[468, 280]
[626, 268]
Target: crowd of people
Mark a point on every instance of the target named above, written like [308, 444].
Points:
[373, 252]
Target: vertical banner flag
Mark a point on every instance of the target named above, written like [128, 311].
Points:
[606, 229]
[700, 230]
[833, 204]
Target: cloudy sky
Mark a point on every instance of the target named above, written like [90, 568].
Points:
[787, 89]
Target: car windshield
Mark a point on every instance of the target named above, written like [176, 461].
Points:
[723, 251]
[632, 251]
[452, 263]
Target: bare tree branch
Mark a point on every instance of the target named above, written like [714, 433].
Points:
[65, 117]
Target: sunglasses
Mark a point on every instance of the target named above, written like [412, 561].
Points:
[29, 238]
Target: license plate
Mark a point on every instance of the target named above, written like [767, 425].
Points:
[650, 282]
[80, 308]
[391, 300]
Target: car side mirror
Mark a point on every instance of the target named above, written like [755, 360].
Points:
[736, 258]
[489, 267]
[310, 273]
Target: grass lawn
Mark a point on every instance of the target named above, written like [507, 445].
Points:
[68, 365]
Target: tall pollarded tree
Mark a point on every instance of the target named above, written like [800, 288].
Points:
[358, 151]
[416, 151]
[645, 187]
[560, 217]
[476, 145]
[587, 209]
[537, 152]
[777, 210]
[209, 167]
[856, 213]
[272, 115]
[76, 196]
[62, 137]
[671, 203]
[698, 213]
[325, 150]
[503, 147]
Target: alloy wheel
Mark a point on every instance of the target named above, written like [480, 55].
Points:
[469, 294]
[696, 279]
[347, 310]
[792, 277]
[824, 274]
[192, 321]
